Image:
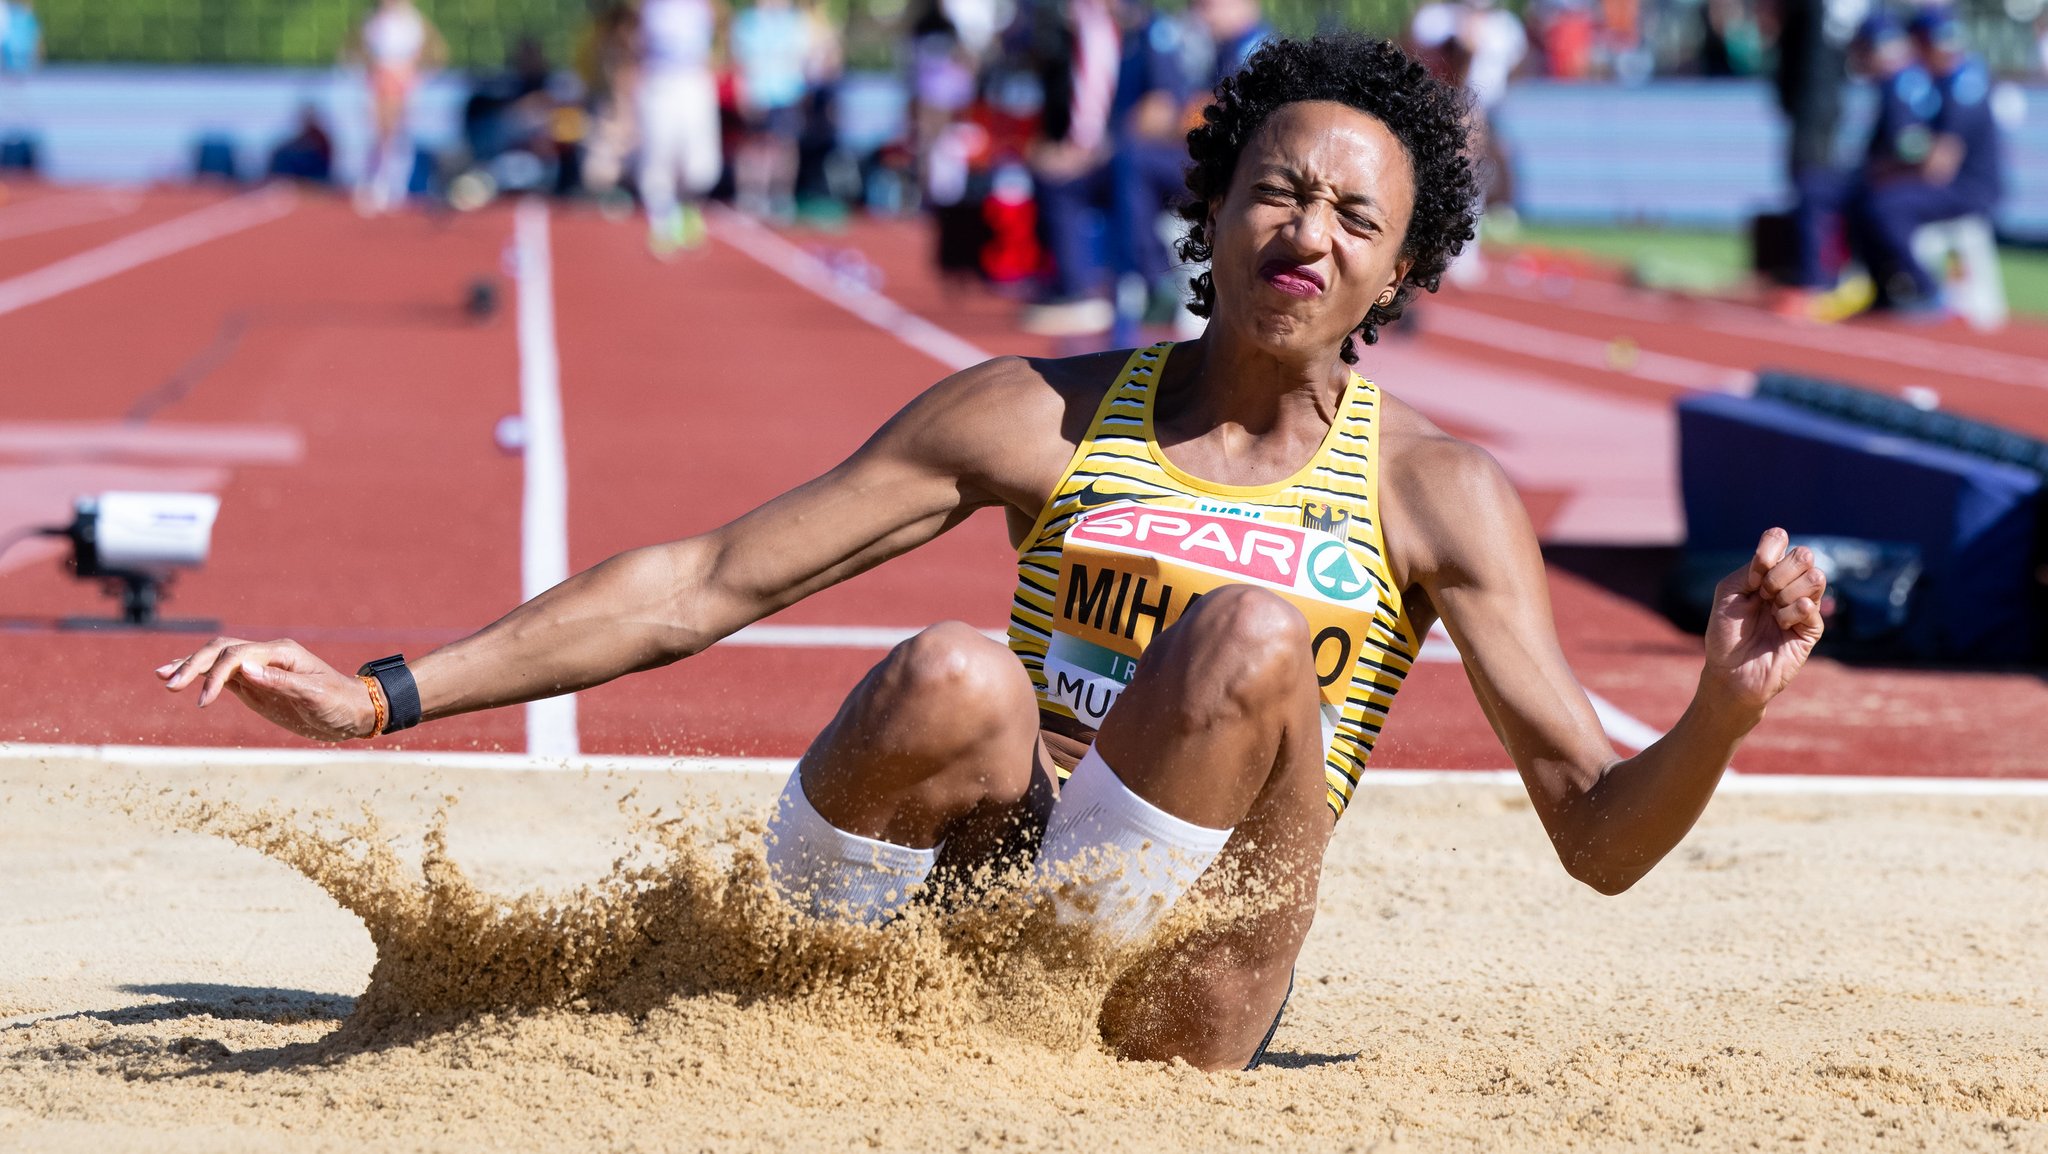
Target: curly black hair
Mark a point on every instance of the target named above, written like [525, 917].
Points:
[1428, 117]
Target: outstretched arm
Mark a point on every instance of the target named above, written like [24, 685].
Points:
[922, 473]
[1610, 819]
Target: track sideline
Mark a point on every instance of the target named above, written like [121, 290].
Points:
[1862, 342]
[157, 756]
[150, 244]
[544, 516]
[65, 210]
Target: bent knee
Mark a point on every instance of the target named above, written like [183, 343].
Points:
[950, 687]
[1253, 635]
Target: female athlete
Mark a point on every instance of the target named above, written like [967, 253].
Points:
[1229, 551]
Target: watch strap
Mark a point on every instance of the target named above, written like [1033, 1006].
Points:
[401, 692]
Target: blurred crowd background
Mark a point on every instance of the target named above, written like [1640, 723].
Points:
[1043, 137]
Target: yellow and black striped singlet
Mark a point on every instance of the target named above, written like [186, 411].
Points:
[1128, 541]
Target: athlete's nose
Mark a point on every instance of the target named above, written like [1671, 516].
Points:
[1307, 234]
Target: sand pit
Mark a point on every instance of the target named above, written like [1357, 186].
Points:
[1811, 973]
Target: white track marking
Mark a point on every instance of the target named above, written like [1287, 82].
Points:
[1732, 320]
[1621, 727]
[149, 756]
[831, 636]
[153, 756]
[150, 244]
[166, 441]
[1475, 327]
[50, 213]
[807, 272]
[544, 518]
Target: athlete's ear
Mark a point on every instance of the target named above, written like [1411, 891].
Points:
[1401, 268]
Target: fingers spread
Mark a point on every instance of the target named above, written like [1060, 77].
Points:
[228, 664]
[199, 663]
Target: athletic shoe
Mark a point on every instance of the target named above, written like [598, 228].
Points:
[690, 228]
[1854, 295]
[665, 234]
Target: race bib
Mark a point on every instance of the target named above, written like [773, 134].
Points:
[1130, 569]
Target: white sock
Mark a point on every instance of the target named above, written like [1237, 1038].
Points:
[1118, 861]
[829, 873]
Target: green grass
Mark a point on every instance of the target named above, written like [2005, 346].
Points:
[1705, 261]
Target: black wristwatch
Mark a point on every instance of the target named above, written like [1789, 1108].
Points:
[401, 692]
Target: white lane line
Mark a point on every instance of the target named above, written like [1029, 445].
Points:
[1622, 728]
[50, 213]
[1731, 320]
[200, 757]
[139, 248]
[152, 756]
[831, 636]
[807, 272]
[544, 513]
[1475, 327]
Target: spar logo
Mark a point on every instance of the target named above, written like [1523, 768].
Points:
[1332, 573]
[1263, 552]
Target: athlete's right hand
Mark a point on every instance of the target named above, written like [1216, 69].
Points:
[288, 686]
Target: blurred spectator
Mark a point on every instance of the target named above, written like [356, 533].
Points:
[976, 22]
[308, 154]
[1958, 175]
[1812, 68]
[1906, 103]
[21, 38]
[826, 178]
[681, 152]
[608, 59]
[942, 78]
[1473, 44]
[1069, 166]
[511, 109]
[1731, 43]
[771, 48]
[1128, 181]
[396, 44]
[1565, 36]
[1236, 28]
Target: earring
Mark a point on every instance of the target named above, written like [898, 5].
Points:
[1386, 298]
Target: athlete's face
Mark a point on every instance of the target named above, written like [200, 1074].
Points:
[1310, 233]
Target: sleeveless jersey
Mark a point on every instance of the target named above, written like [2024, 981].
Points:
[1128, 542]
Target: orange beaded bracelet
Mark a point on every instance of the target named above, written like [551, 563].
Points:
[377, 701]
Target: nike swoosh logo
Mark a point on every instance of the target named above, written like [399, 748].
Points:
[1090, 497]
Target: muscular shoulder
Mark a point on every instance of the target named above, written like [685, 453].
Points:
[1449, 507]
[1007, 426]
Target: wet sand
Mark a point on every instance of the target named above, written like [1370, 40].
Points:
[1805, 973]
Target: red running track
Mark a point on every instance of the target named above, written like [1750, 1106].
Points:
[692, 391]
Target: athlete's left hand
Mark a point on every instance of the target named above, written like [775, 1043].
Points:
[1765, 622]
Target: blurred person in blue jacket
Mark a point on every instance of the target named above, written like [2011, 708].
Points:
[1907, 103]
[21, 37]
[1951, 170]
[1130, 170]
[1236, 28]
[773, 49]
